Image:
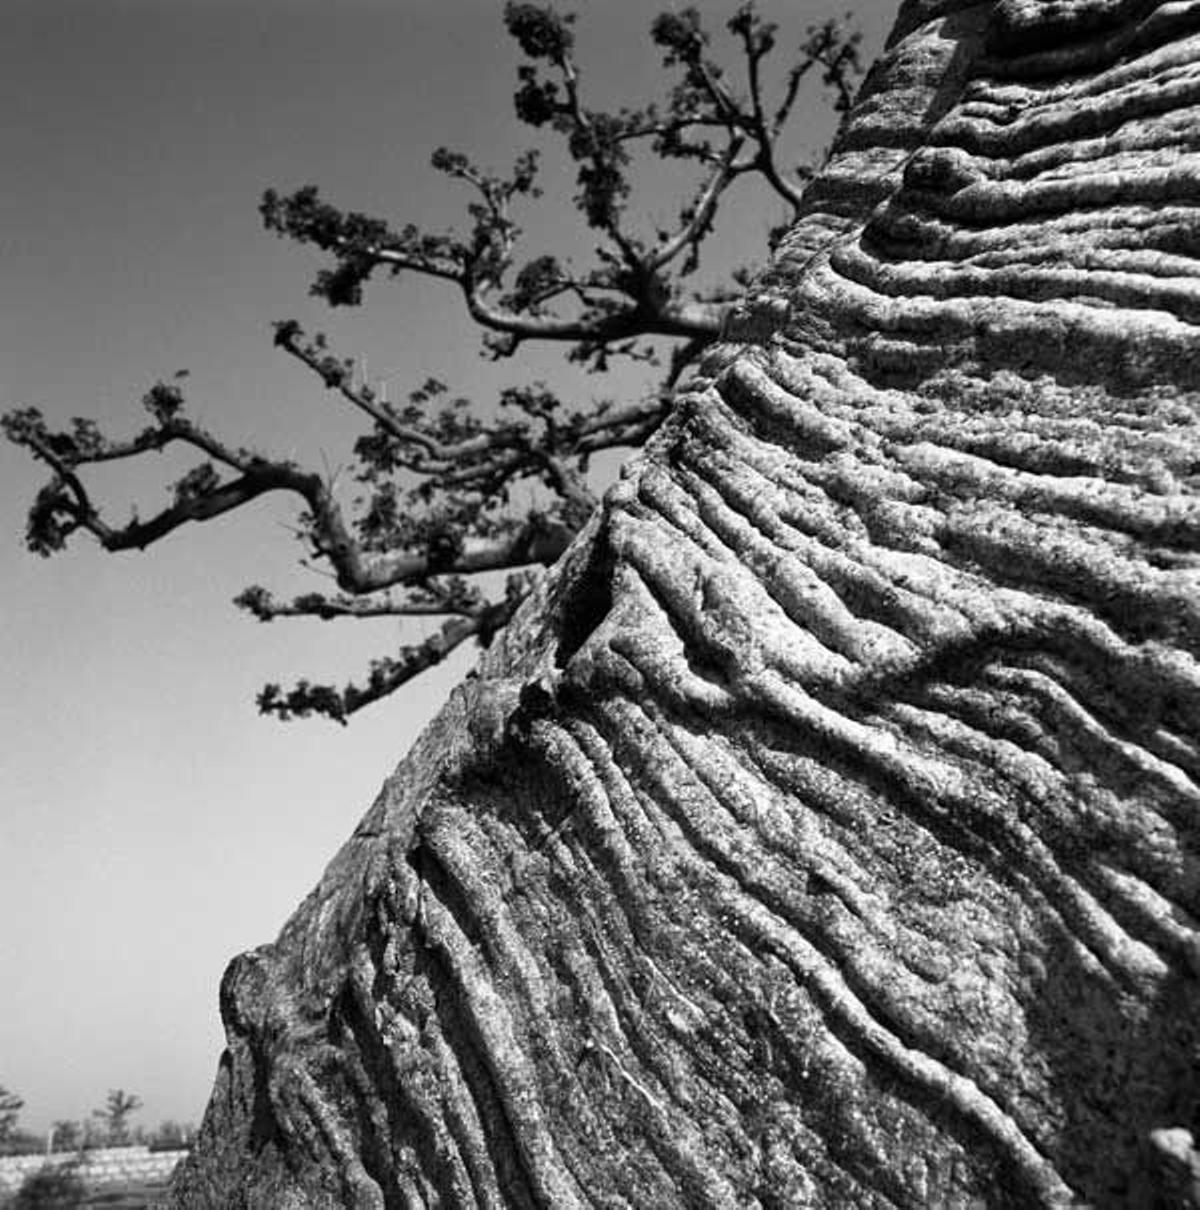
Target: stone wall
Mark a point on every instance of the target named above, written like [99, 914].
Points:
[98, 1168]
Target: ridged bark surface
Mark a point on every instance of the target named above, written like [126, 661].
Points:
[826, 833]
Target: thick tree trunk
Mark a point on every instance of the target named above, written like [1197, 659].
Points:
[828, 831]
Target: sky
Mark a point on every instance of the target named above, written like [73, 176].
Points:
[152, 823]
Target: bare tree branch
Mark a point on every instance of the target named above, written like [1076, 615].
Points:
[436, 480]
[266, 608]
[201, 498]
[385, 676]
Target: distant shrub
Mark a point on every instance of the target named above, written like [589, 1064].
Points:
[51, 1189]
[172, 1136]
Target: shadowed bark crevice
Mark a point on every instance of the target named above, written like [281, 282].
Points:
[1099, 1054]
[588, 603]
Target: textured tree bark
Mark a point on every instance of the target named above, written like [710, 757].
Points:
[826, 832]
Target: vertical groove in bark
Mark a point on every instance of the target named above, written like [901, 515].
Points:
[825, 831]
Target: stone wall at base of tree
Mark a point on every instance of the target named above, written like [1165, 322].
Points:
[96, 1168]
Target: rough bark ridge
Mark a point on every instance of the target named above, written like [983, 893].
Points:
[826, 832]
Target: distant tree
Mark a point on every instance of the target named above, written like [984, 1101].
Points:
[448, 492]
[114, 1116]
[67, 1134]
[10, 1112]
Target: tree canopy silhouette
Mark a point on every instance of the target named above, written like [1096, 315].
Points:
[437, 475]
[119, 1106]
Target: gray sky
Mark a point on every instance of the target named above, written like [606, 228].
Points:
[152, 823]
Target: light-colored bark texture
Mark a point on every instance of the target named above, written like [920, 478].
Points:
[827, 830]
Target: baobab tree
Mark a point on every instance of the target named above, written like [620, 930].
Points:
[823, 830]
